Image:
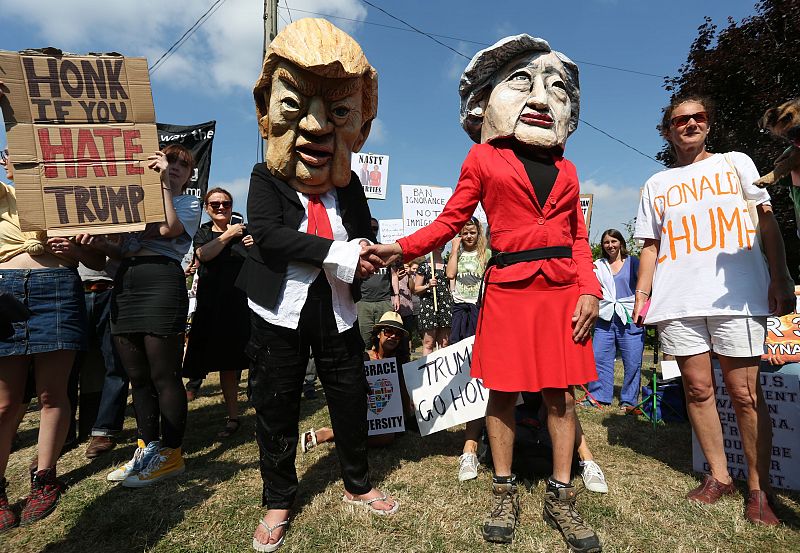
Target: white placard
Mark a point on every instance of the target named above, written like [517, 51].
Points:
[384, 402]
[442, 390]
[586, 206]
[669, 369]
[373, 171]
[391, 230]
[782, 393]
[422, 204]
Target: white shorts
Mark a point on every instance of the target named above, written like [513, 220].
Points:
[731, 336]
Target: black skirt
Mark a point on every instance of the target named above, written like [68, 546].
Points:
[149, 297]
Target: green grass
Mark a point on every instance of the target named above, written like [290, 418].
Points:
[215, 505]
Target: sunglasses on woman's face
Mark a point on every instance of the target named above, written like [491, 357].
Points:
[683, 120]
[390, 331]
[216, 205]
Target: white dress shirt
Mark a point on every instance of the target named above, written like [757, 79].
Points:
[340, 269]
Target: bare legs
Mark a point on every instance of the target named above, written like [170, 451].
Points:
[433, 338]
[755, 428]
[229, 382]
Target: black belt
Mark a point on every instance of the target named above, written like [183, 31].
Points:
[157, 259]
[504, 259]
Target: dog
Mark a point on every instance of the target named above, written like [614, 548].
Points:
[784, 122]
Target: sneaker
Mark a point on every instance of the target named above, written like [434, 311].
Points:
[167, 462]
[502, 520]
[560, 513]
[8, 518]
[141, 457]
[45, 493]
[467, 467]
[593, 477]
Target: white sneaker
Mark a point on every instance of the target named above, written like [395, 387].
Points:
[593, 477]
[141, 458]
[467, 467]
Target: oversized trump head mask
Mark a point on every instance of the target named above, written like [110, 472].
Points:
[315, 99]
[519, 88]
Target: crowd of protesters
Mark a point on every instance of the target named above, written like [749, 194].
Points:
[100, 314]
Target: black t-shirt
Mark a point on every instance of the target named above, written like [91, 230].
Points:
[378, 287]
[542, 172]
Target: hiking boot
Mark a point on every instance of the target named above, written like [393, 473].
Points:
[560, 513]
[467, 467]
[45, 493]
[167, 462]
[499, 526]
[99, 445]
[141, 457]
[8, 518]
[593, 477]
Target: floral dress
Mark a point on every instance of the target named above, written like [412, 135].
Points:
[441, 317]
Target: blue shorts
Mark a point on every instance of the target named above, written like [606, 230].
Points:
[58, 319]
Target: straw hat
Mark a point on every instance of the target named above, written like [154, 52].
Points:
[390, 319]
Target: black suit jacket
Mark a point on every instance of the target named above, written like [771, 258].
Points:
[274, 213]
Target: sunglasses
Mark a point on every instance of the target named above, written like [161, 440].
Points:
[388, 331]
[216, 205]
[173, 158]
[683, 120]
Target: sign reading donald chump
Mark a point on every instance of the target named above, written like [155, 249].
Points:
[443, 392]
[384, 401]
[79, 130]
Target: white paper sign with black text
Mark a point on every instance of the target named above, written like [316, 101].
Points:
[384, 402]
[422, 204]
[373, 171]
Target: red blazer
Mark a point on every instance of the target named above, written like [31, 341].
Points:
[493, 175]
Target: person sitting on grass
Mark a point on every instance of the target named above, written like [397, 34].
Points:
[389, 339]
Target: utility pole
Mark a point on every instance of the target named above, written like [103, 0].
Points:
[270, 31]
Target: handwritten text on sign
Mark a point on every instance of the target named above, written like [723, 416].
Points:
[79, 129]
[422, 204]
[442, 390]
[384, 401]
[781, 392]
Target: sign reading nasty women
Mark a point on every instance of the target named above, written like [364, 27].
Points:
[373, 171]
[443, 392]
[79, 129]
[782, 395]
[384, 401]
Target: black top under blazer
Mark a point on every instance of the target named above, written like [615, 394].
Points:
[274, 213]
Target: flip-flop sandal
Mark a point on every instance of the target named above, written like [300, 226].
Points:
[367, 504]
[308, 440]
[231, 426]
[267, 547]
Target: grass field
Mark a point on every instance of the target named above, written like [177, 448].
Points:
[215, 505]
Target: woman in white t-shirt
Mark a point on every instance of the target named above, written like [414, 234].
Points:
[711, 290]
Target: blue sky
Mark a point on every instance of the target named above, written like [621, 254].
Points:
[211, 75]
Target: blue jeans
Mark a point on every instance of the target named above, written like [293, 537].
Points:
[114, 398]
[610, 336]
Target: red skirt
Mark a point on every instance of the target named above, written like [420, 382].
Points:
[523, 342]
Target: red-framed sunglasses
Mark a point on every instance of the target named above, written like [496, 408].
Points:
[683, 120]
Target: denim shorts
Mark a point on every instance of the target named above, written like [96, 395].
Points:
[58, 311]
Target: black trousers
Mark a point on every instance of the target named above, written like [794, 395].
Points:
[279, 357]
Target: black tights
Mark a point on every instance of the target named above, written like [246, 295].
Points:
[153, 364]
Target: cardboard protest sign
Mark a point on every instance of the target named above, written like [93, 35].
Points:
[586, 207]
[782, 393]
[199, 140]
[782, 344]
[79, 128]
[391, 230]
[373, 170]
[384, 402]
[422, 204]
[443, 391]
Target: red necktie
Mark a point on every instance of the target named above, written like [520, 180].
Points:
[318, 222]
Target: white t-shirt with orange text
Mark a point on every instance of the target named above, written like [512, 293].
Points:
[709, 261]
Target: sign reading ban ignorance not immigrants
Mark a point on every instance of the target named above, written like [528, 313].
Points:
[79, 128]
[443, 392]
[384, 402]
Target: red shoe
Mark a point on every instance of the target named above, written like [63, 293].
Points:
[8, 518]
[45, 493]
[710, 490]
[758, 510]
